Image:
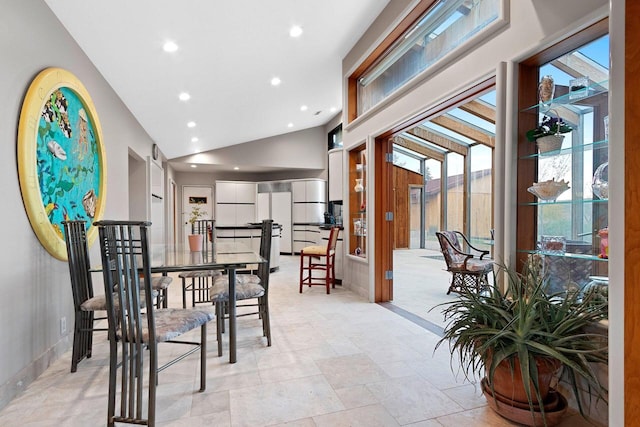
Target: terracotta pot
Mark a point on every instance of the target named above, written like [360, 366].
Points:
[510, 385]
[553, 414]
[195, 242]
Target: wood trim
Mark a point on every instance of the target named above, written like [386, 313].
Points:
[631, 220]
[383, 245]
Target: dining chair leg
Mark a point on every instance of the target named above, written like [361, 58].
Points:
[219, 324]
[203, 357]
[333, 271]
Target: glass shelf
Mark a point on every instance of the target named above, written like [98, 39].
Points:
[358, 201]
[565, 255]
[597, 145]
[595, 90]
[566, 202]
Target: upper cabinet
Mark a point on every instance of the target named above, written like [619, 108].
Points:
[563, 157]
[235, 202]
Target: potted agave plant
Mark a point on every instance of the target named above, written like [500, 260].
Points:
[523, 336]
[548, 135]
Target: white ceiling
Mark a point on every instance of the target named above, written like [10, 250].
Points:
[228, 53]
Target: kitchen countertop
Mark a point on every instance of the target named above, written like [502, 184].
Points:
[249, 226]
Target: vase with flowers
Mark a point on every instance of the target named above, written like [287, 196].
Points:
[548, 135]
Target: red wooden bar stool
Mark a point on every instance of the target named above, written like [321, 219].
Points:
[319, 258]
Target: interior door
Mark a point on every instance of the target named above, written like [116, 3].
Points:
[192, 196]
[281, 214]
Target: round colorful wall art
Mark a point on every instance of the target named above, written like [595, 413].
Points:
[61, 159]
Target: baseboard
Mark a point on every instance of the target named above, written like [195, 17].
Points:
[20, 381]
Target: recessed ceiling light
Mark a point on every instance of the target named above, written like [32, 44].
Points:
[303, 108]
[194, 166]
[290, 125]
[275, 81]
[184, 96]
[295, 31]
[170, 46]
[332, 109]
[194, 139]
[191, 124]
[236, 168]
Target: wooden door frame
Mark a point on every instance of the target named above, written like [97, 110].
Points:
[383, 172]
[631, 220]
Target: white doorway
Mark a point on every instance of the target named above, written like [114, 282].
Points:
[193, 195]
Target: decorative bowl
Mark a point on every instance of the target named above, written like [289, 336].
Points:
[548, 190]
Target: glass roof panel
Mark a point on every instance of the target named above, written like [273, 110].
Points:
[461, 139]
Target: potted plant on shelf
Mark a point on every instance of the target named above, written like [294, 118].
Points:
[195, 240]
[524, 336]
[548, 135]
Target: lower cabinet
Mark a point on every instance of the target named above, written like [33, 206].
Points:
[250, 236]
[305, 235]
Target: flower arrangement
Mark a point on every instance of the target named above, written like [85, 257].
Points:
[549, 126]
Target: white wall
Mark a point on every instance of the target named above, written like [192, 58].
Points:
[35, 289]
[305, 149]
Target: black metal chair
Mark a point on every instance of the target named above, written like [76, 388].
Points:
[199, 280]
[84, 302]
[135, 331]
[248, 286]
[466, 264]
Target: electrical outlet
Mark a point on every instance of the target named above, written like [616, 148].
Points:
[63, 325]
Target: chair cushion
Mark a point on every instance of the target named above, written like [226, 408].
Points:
[160, 282]
[246, 288]
[93, 304]
[99, 302]
[199, 273]
[173, 322]
[315, 250]
[475, 265]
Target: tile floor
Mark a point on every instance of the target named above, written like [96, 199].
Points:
[336, 360]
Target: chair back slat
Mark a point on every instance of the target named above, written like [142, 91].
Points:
[266, 237]
[333, 239]
[78, 260]
[206, 227]
[125, 255]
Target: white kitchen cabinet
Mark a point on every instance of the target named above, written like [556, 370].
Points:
[235, 202]
[309, 201]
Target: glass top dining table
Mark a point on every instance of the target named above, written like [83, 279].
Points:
[229, 256]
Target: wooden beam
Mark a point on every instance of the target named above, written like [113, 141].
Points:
[481, 110]
[418, 148]
[471, 132]
[440, 140]
[578, 65]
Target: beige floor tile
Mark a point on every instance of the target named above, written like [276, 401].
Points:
[367, 416]
[345, 371]
[283, 401]
[412, 399]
